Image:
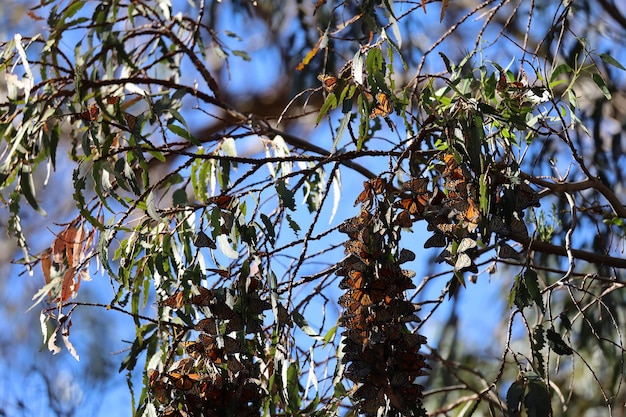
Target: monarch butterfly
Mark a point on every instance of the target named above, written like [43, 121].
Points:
[437, 240]
[506, 251]
[374, 293]
[466, 244]
[207, 325]
[406, 273]
[454, 187]
[352, 262]
[184, 382]
[175, 301]
[398, 311]
[403, 219]
[406, 256]
[472, 213]
[204, 298]
[202, 240]
[411, 340]
[416, 185]
[348, 302]
[329, 82]
[358, 249]
[445, 227]
[370, 189]
[131, 121]
[222, 201]
[250, 393]
[354, 225]
[158, 387]
[411, 362]
[193, 349]
[518, 228]
[463, 210]
[354, 279]
[526, 197]
[162, 391]
[358, 370]
[412, 392]
[415, 205]
[222, 311]
[255, 305]
[504, 83]
[382, 107]
[88, 115]
[354, 321]
[464, 263]
[498, 226]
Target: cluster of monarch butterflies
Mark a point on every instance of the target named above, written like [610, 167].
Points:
[218, 375]
[93, 113]
[381, 354]
[454, 214]
[381, 105]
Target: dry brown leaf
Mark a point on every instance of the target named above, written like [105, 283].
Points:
[444, 6]
[46, 265]
[69, 287]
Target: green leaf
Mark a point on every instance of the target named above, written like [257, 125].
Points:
[286, 196]
[345, 121]
[374, 61]
[537, 400]
[612, 61]
[293, 225]
[179, 197]
[519, 294]
[304, 326]
[561, 69]
[151, 207]
[446, 62]
[514, 397]
[269, 228]
[27, 187]
[242, 54]
[330, 335]
[597, 78]
[183, 133]
[329, 104]
[537, 344]
[531, 282]
[293, 388]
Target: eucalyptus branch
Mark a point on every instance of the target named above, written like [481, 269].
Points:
[571, 187]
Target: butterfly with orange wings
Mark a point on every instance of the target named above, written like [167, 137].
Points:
[382, 106]
[329, 82]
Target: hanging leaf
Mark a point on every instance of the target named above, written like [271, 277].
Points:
[444, 6]
[27, 187]
[597, 78]
[612, 61]
[557, 344]
[226, 248]
[287, 198]
[514, 398]
[537, 399]
[531, 282]
[293, 225]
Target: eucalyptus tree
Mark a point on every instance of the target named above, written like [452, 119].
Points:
[275, 190]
